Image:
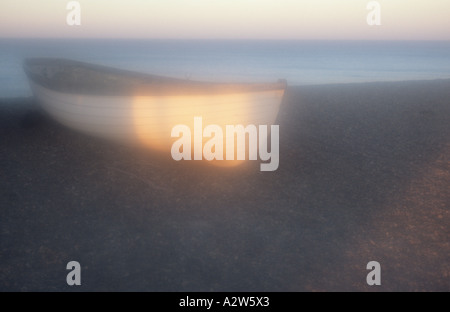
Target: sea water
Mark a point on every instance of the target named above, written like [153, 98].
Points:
[300, 62]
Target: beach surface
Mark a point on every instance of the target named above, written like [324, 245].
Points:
[364, 175]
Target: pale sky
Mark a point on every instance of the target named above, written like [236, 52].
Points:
[233, 19]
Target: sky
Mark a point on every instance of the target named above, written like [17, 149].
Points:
[228, 19]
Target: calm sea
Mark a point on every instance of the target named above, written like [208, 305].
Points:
[300, 62]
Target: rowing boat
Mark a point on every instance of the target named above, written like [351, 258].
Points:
[136, 107]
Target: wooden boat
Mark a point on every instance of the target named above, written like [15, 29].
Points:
[131, 106]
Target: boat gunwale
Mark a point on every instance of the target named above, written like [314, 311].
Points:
[146, 84]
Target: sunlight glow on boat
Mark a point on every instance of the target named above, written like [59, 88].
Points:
[155, 116]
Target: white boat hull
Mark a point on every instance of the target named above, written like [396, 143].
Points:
[149, 119]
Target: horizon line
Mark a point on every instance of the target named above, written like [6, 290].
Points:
[223, 39]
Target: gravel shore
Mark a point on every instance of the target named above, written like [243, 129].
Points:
[364, 175]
